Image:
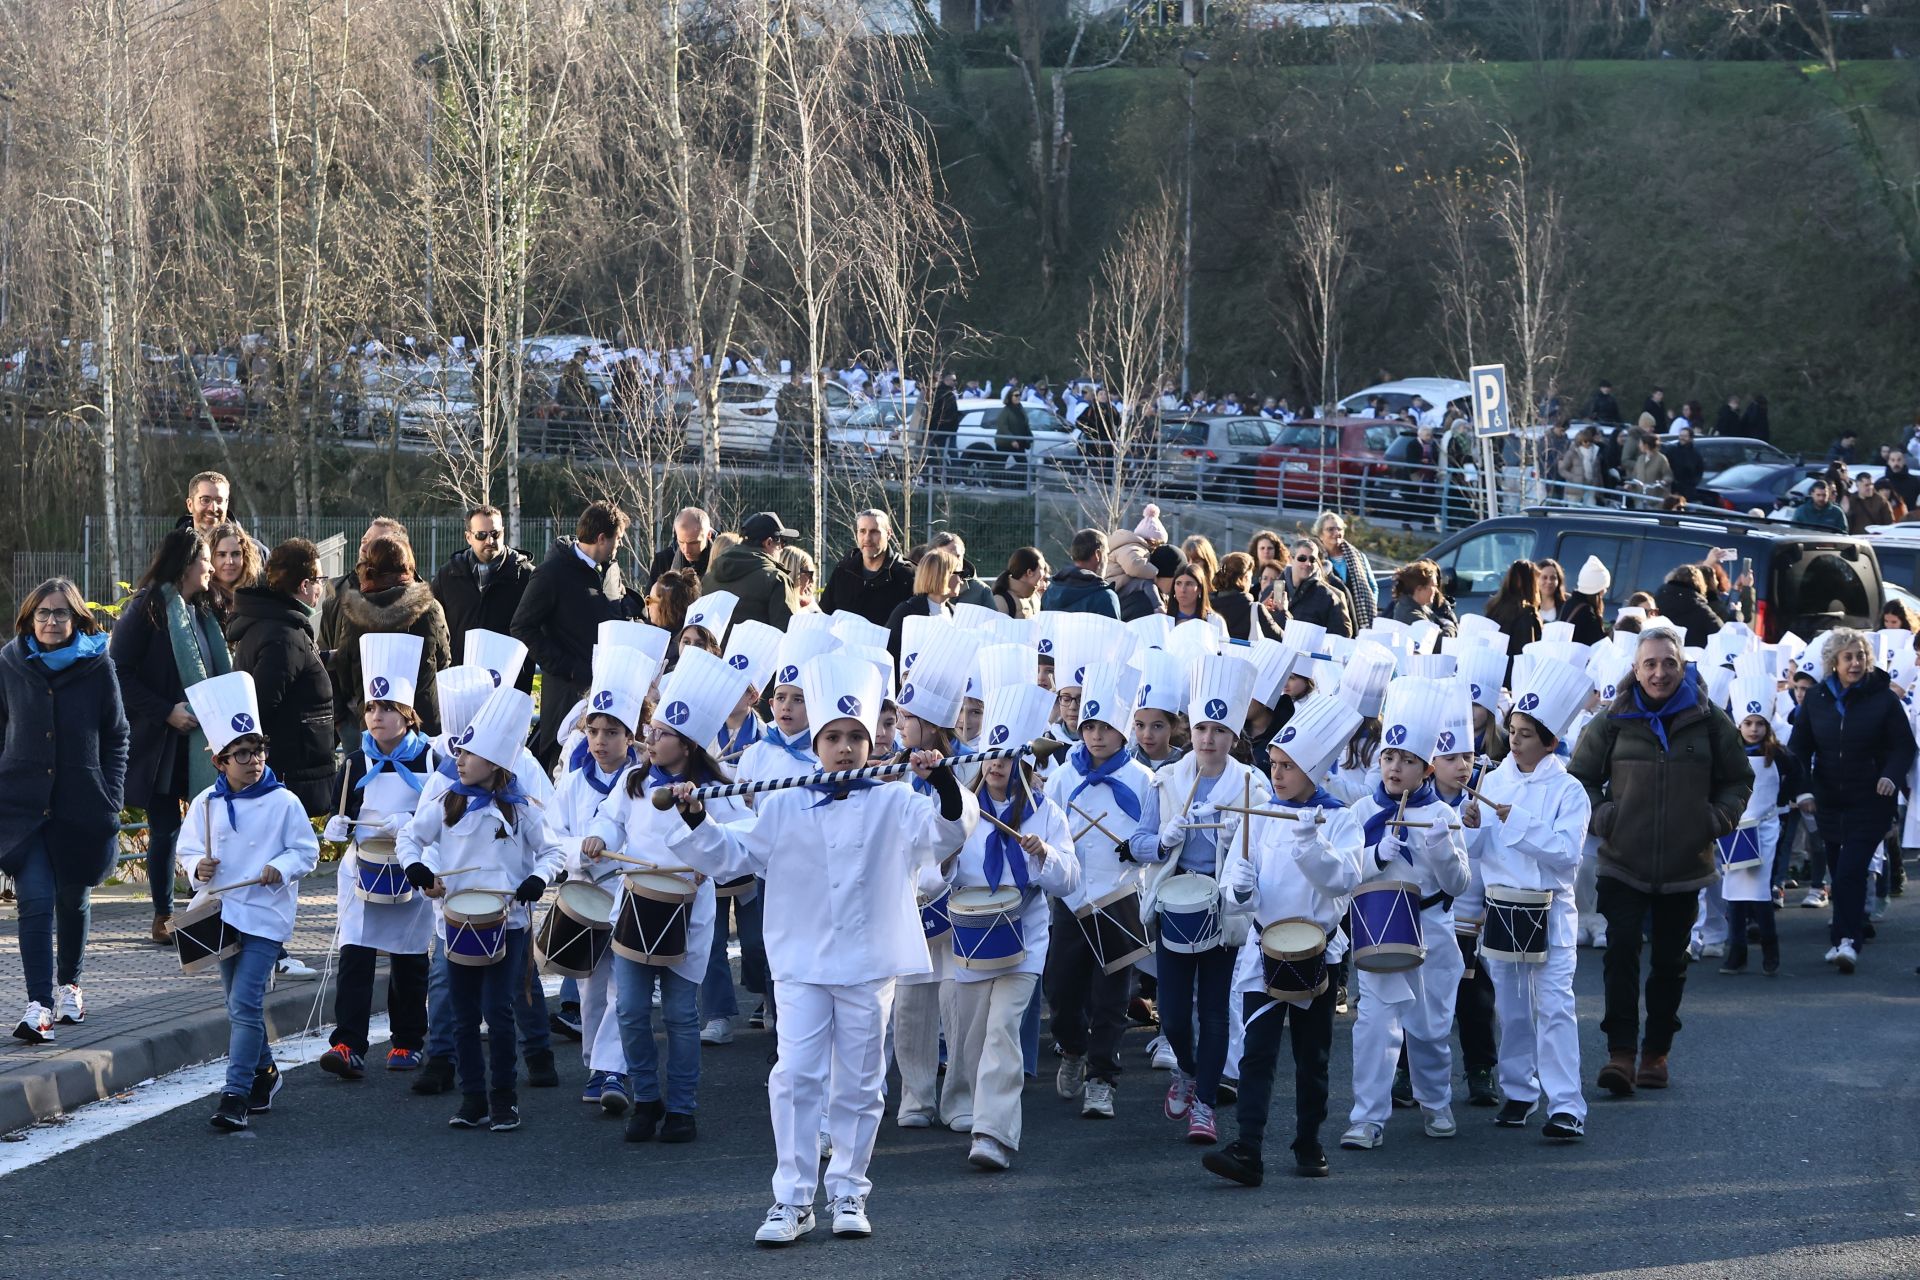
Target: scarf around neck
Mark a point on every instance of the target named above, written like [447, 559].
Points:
[799, 746]
[1108, 774]
[1375, 828]
[404, 753]
[480, 797]
[193, 667]
[223, 790]
[82, 645]
[1003, 852]
[1685, 698]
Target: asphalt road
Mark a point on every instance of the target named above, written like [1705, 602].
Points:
[1786, 1146]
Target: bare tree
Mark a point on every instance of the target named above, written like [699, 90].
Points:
[1319, 241]
[1529, 219]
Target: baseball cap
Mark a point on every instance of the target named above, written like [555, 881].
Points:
[762, 525]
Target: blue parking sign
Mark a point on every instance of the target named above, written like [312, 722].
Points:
[1490, 414]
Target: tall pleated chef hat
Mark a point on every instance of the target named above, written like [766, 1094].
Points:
[1045, 623]
[1425, 635]
[1319, 730]
[935, 687]
[752, 650]
[226, 707]
[1609, 669]
[1764, 661]
[1484, 667]
[975, 617]
[1273, 662]
[1307, 637]
[1433, 666]
[1552, 694]
[1000, 665]
[1015, 713]
[1750, 696]
[621, 678]
[1222, 686]
[461, 691]
[712, 611]
[644, 636]
[795, 648]
[498, 732]
[1193, 639]
[1164, 683]
[390, 666]
[698, 695]
[501, 657]
[1475, 624]
[1410, 715]
[1556, 630]
[811, 620]
[1456, 717]
[1363, 682]
[1108, 691]
[877, 657]
[1152, 630]
[1081, 640]
[851, 628]
[843, 686]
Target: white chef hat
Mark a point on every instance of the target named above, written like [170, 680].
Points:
[621, 677]
[390, 666]
[1750, 696]
[843, 686]
[1552, 693]
[1363, 682]
[1471, 624]
[1107, 693]
[1307, 637]
[795, 648]
[1433, 666]
[1556, 630]
[934, 688]
[975, 617]
[1192, 640]
[752, 649]
[647, 638]
[1456, 717]
[1609, 668]
[1319, 729]
[460, 691]
[498, 732]
[1222, 685]
[1410, 716]
[1151, 630]
[876, 657]
[226, 707]
[1081, 640]
[1045, 624]
[1015, 713]
[712, 611]
[500, 656]
[915, 629]
[1272, 663]
[698, 695]
[811, 620]
[1000, 665]
[851, 628]
[1485, 669]
[1163, 682]
[1425, 635]
[1764, 661]
[1010, 630]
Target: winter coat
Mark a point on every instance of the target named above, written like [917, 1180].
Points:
[1584, 614]
[1238, 610]
[1848, 755]
[1685, 462]
[1439, 613]
[669, 558]
[272, 638]
[873, 598]
[765, 591]
[1315, 601]
[1862, 512]
[559, 620]
[1076, 590]
[1583, 465]
[1827, 517]
[1519, 623]
[467, 608]
[64, 764]
[150, 688]
[1127, 558]
[1687, 609]
[409, 607]
[1652, 470]
[1658, 811]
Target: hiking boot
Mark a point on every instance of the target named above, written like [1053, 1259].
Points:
[1617, 1076]
[1237, 1162]
[1653, 1071]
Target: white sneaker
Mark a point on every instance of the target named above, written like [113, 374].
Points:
[1695, 950]
[1440, 1122]
[36, 1024]
[1098, 1102]
[1833, 953]
[988, 1153]
[1879, 911]
[961, 1123]
[288, 967]
[719, 1031]
[850, 1217]
[1071, 1075]
[1364, 1136]
[1713, 951]
[1845, 956]
[1600, 939]
[785, 1223]
[1585, 939]
[914, 1120]
[1814, 898]
[826, 1146]
[69, 1006]
[1164, 1058]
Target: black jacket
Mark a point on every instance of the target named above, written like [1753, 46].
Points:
[150, 688]
[1727, 421]
[272, 639]
[1076, 590]
[1848, 755]
[409, 607]
[467, 607]
[1440, 613]
[1588, 628]
[1754, 423]
[1687, 468]
[558, 620]
[1314, 601]
[668, 558]
[1906, 484]
[1241, 614]
[1603, 408]
[64, 764]
[873, 598]
[1687, 609]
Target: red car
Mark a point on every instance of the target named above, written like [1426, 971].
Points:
[1351, 452]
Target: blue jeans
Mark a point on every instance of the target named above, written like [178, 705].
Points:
[1212, 973]
[486, 993]
[244, 976]
[47, 905]
[163, 833]
[529, 1010]
[678, 1009]
[717, 996]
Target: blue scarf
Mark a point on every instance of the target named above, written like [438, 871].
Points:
[480, 797]
[831, 791]
[799, 746]
[1082, 761]
[1320, 799]
[582, 761]
[1375, 827]
[1003, 851]
[1840, 694]
[1756, 748]
[405, 753]
[82, 646]
[449, 768]
[223, 791]
[751, 731]
[1684, 699]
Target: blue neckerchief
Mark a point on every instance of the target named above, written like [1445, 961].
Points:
[1082, 761]
[1376, 827]
[582, 762]
[799, 746]
[223, 791]
[1003, 851]
[921, 786]
[751, 731]
[1756, 748]
[83, 646]
[480, 797]
[583, 754]
[1320, 799]
[1840, 694]
[830, 791]
[408, 750]
[658, 777]
[1453, 803]
[1685, 698]
[449, 768]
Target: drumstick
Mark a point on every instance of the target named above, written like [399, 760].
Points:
[621, 857]
[343, 790]
[1095, 823]
[996, 822]
[1191, 793]
[1288, 814]
[237, 884]
[456, 871]
[1246, 828]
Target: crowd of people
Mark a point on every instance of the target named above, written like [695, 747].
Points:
[1226, 793]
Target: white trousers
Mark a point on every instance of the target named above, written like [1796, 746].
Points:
[600, 1046]
[985, 1066]
[1539, 1035]
[1710, 923]
[919, 1010]
[1420, 1015]
[837, 1034]
[1586, 889]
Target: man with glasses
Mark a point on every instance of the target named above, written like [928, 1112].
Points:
[873, 580]
[480, 585]
[752, 571]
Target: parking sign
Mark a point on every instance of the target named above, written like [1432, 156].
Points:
[1490, 416]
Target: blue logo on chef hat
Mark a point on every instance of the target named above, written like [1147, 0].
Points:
[495, 675]
[789, 674]
[999, 735]
[1753, 708]
[379, 686]
[1288, 734]
[738, 662]
[1216, 709]
[1476, 693]
[675, 714]
[906, 695]
[242, 722]
[466, 736]
[1090, 712]
[1046, 646]
[849, 705]
[1445, 744]
[1528, 702]
[1080, 675]
[603, 700]
[1397, 735]
[906, 663]
[1145, 689]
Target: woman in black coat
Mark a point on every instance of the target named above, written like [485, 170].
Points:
[1682, 600]
[1310, 598]
[164, 640]
[1516, 606]
[1233, 600]
[1853, 736]
[272, 636]
[61, 776]
[1417, 598]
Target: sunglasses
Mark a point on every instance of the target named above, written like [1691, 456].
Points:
[487, 535]
[1307, 559]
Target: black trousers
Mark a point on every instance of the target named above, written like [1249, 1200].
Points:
[1089, 1007]
[1669, 920]
[1473, 1012]
[1260, 1055]
[406, 998]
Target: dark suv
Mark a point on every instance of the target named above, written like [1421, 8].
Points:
[1805, 580]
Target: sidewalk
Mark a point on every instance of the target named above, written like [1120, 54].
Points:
[144, 1017]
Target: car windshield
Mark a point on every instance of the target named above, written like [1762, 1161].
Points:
[1744, 476]
[1185, 432]
[890, 413]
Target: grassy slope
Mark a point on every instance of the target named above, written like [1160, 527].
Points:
[1725, 233]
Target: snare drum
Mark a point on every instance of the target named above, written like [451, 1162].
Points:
[574, 935]
[201, 938]
[652, 925]
[1111, 926]
[1386, 927]
[1739, 849]
[1517, 924]
[1293, 954]
[378, 875]
[933, 916]
[1466, 931]
[475, 922]
[733, 888]
[987, 933]
[1190, 913]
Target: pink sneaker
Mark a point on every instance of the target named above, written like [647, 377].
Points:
[1179, 1095]
[1200, 1124]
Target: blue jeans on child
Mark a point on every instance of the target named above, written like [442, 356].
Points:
[47, 907]
[487, 993]
[529, 1010]
[244, 975]
[678, 1009]
[1211, 972]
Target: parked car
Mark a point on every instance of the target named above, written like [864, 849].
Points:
[172, 400]
[1898, 547]
[1717, 453]
[425, 403]
[1750, 485]
[977, 439]
[1214, 458]
[748, 422]
[1350, 451]
[1438, 392]
[881, 429]
[1802, 490]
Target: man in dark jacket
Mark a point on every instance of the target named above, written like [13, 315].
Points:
[692, 546]
[873, 580]
[1688, 466]
[1901, 479]
[1682, 601]
[1656, 405]
[481, 586]
[378, 527]
[1603, 407]
[1081, 589]
[1667, 775]
[571, 594]
[752, 572]
[272, 636]
[943, 424]
[1727, 421]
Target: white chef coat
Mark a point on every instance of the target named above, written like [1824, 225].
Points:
[397, 928]
[1056, 877]
[503, 852]
[1538, 846]
[1101, 870]
[1754, 882]
[1306, 871]
[273, 831]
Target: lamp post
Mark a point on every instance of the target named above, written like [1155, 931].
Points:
[1191, 60]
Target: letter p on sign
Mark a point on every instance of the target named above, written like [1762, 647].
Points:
[1490, 416]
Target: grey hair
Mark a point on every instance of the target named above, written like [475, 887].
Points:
[1839, 640]
[1666, 633]
[876, 515]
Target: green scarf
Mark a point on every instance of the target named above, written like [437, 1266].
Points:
[182, 618]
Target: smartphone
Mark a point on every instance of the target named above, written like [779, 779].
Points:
[1746, 567]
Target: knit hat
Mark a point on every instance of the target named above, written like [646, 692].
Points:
[1166, 561]
[1150, 527]
[1594, 578]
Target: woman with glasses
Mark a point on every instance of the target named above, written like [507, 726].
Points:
[61, 777]
[1310, 597]
[272, 636]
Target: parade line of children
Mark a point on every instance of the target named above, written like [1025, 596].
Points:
[1068, 804]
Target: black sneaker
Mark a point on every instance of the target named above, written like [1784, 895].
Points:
[540, 1070]
[265, 1085]
[758, 1018]
[472, 1113]
[435, 1077]
[1226, 1093]
[1770, 959]
[1236, 1162]
[678, 1127]
[1561, 1127]
[1481, 1091]
[1340, 1004]
[1310, 1162]
[565, 1021]
[1403, 1089]
[231, 1115]
[1515, 1114]
[1736, 961]
[503, 1115]
[644, 1119]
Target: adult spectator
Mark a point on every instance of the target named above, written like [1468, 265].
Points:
[872, 580]
[1197, 550]
[801, 568]
[1129, 568]
[378, 527]
[1853, 732]
[1602, 407]
[793, 418]
[1651, 473]
[1552, 596]
[387, 597]
[62, 775]
[1516, 606]
[480, 585]
[1688, 468]
[1232, 599]
[973, 589]
[1012, 435]
[943, 424]
[207, 497]
[1727, 421]
[1901, 479]
[933, 583]
[692, 545]
[1079, 588]
[1682, 600]
[1819, 511]
[1754, 422]
[1655, 408]
[1866, 508]
[1016, 592]
[752, 572]
[667, 603]
[1582, 467]
[1188, 600]
[1417, 598]
[1348, 566]
[1843, 446]
[237, 564]
[1666, 773]
[1101, 430]
[573, 591]
[1898, 615]
[1311, 594]
[272, 637]
[1266, 546]
[1587, 605]
[165, 640]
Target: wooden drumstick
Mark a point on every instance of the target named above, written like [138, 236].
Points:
[237, 884]
[1192, 791]
[1093, 824]
[1289, 814]
[344, 772]
[1246, 828]
[1001, 825]
[456, 871]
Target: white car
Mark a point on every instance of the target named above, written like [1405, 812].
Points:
[1330, 15]
[978, 441]
[1438, 392]
[426, 402]
[747, 417]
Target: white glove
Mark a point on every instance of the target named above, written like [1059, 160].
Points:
[1173, 837]
[338, 829]
[1243, 878]
[392, 825]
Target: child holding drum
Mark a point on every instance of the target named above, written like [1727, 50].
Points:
[1746, 880]
[247, 840]
[1453, 775]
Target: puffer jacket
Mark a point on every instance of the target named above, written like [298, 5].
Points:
[272, 639]
[1658, 812]
[1849, 754]
[765, 591]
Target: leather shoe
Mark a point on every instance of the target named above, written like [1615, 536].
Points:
[1617, 1076]
[1653, 1071]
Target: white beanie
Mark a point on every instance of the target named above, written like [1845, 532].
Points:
[1594, 578]
[1150, 527]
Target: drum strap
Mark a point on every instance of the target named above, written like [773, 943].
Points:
[1443, 900]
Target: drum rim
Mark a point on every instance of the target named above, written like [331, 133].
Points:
[1005, 898]
[450, 912]
[633, 880]
[1509, 895]
[1380, 886]
[1298, 921]
[1160, 897]
[194, 912]
[379, 849]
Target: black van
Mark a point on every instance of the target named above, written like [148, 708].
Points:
[1805, 580]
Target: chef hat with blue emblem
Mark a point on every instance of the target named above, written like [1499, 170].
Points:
[500, 656]
[461, 691]
[1750, 696]
[498, 733]
[933, 690]
[752, 649]
[621, 678]
[1410, 716]
[1485, 670]
[390, 666]
[698, 695]
[1319, 729]
[1107, 694]
[1222, 687]
[795, 648]
[842, 686]
[1015, 713]
[1456, 717]
[1163, 682]
[712, 612]
[226, 707]
[1552, 694]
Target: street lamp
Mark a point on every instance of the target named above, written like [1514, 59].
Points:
[1191, 60]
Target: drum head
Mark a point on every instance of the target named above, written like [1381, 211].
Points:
[1188, 892]
[1292, 939]
[196, 912]
[587, 901]
[659, 886]
[469, 903]
[376, 848]
[983, 901]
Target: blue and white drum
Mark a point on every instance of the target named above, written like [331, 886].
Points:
[1516, 924]
[987, 933]
[378, 875]
[476, 926]
[1386, 927]
[1739, 849]
[1190, 913]
[1293, 957]
[933, 916]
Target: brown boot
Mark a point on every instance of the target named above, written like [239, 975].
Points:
[1653, 1071]
[163, 930]
[1617, 1076]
